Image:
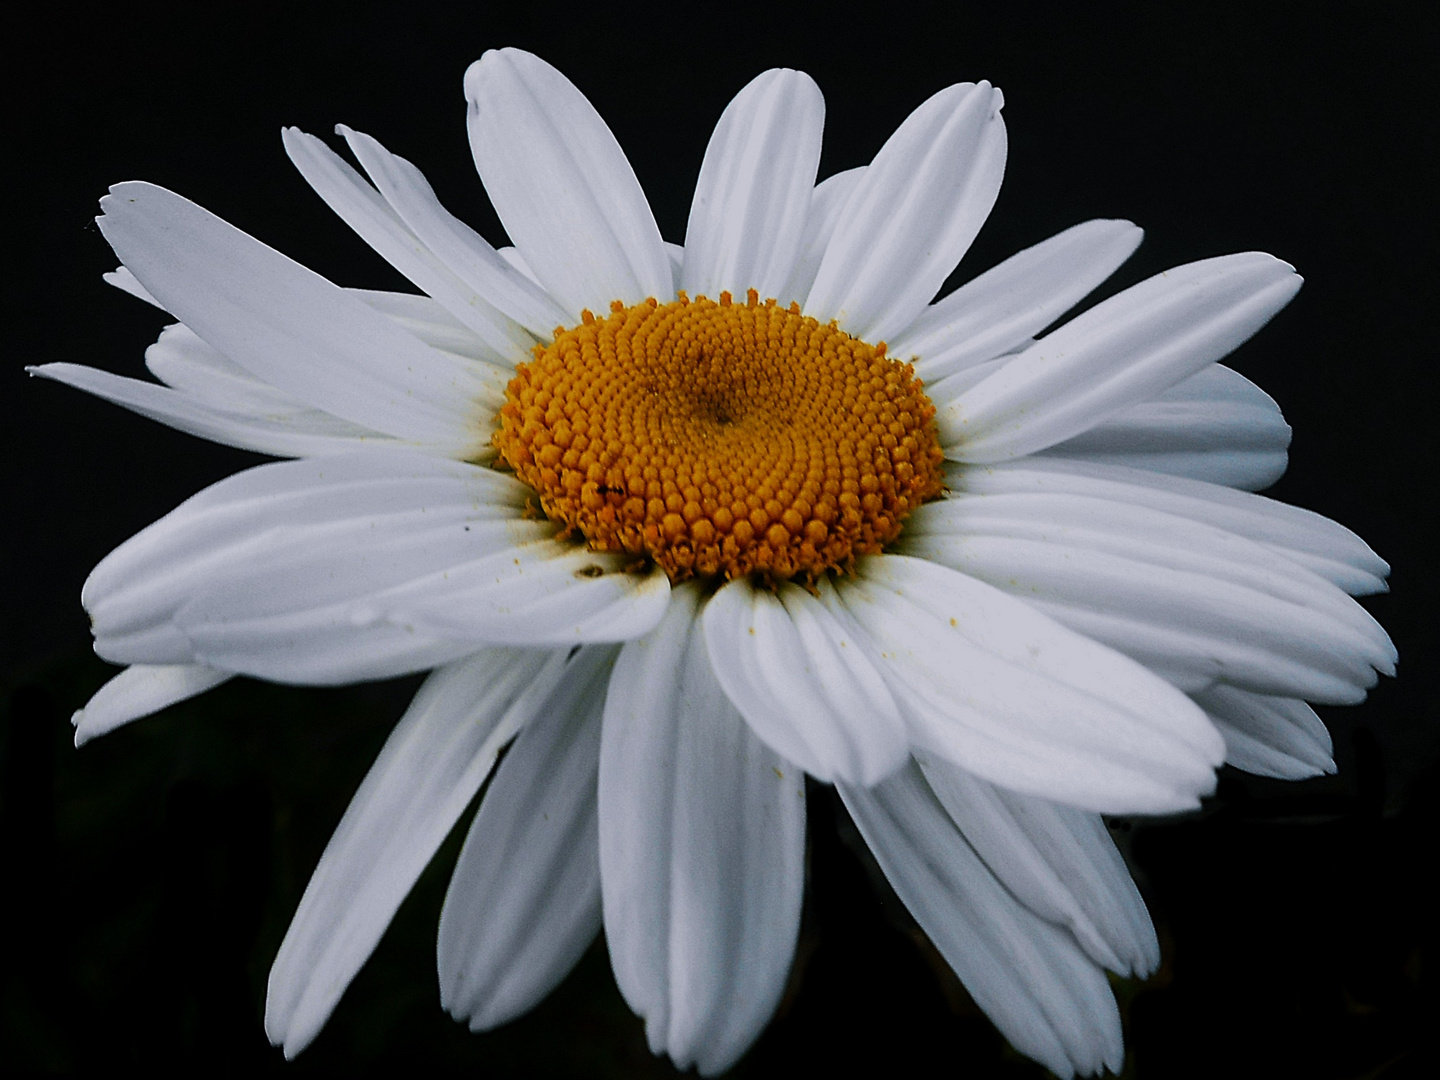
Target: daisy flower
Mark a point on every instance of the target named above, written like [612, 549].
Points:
[680, 525]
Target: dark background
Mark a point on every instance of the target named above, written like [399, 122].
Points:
[150, 876]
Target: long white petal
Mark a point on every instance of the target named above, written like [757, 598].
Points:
[1215, 426]
[1252, 616]
[561, 185]
[827, 202]
[263, 572]
[464, 252]
[1121, 352]
[427, 773]
[968, 531]
[1058, 861]
[288, 326]
[1269, 736]
[702, 843]
[1012, 302]
[987, 682]
[140, 690]
[1316, 542]
[304, 434]
[748, 214]
[913, 214]
[1030, 977]
[377, 223]
[799, 676]
[524, 900]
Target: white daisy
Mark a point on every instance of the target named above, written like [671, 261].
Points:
[675, 525]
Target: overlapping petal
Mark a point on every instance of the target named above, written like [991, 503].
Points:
[561, 185]
[913, 214]
[288, 326]
[524, 900]
[991, 684]
[1031, 977]
[747, 219]
[1121, 352]
[429, 770]
[702, 843]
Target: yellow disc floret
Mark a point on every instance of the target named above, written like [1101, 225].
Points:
[722, 439]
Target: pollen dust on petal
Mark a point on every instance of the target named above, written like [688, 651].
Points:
[720, 439]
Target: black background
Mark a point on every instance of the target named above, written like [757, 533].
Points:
[151, 875]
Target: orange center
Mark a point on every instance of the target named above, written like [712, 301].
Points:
[722, 439]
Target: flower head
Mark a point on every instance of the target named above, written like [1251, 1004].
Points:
[681, 525]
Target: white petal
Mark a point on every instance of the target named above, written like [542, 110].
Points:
[702, 844]
[125, 281]
[428, 320]
[987, 682]
[1269, 736]
[1316, 542]
[748, 213]
[288, 326]
[379, 225]
[524, 901]
[1250, 616]
[1031, 978]
[561, 185]
[460, 248]
[799, 676]
[1215, 426]
[181, 359]
[1123, 351]
[823, 215]
[427, 773]
[966, 531]
[1058, 861]
[544, 593]
[140, 690]
[913, 214]
[1012, 302]
[306, 434]
[261, 572]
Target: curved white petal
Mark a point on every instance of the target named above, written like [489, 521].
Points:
[801, 679]
[1012, 302]
[1058, 861]
[821, 217]
[544, 593]
[987, 682]
[297, 434]
[1124, 350]
[561, 185]
[1303, 536]
[460, 248]
[1030, 977]
[702, 845]
[361, 207]
[524, 900]
[1248, 615]
[262, 572]
[913, 214]
[429, 770]
[1269, 736]
[140, 690]
[1215, 426]
[288, 326]
[966, 531]
[748, 214]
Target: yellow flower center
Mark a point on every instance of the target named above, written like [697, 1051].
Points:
[721, 439]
